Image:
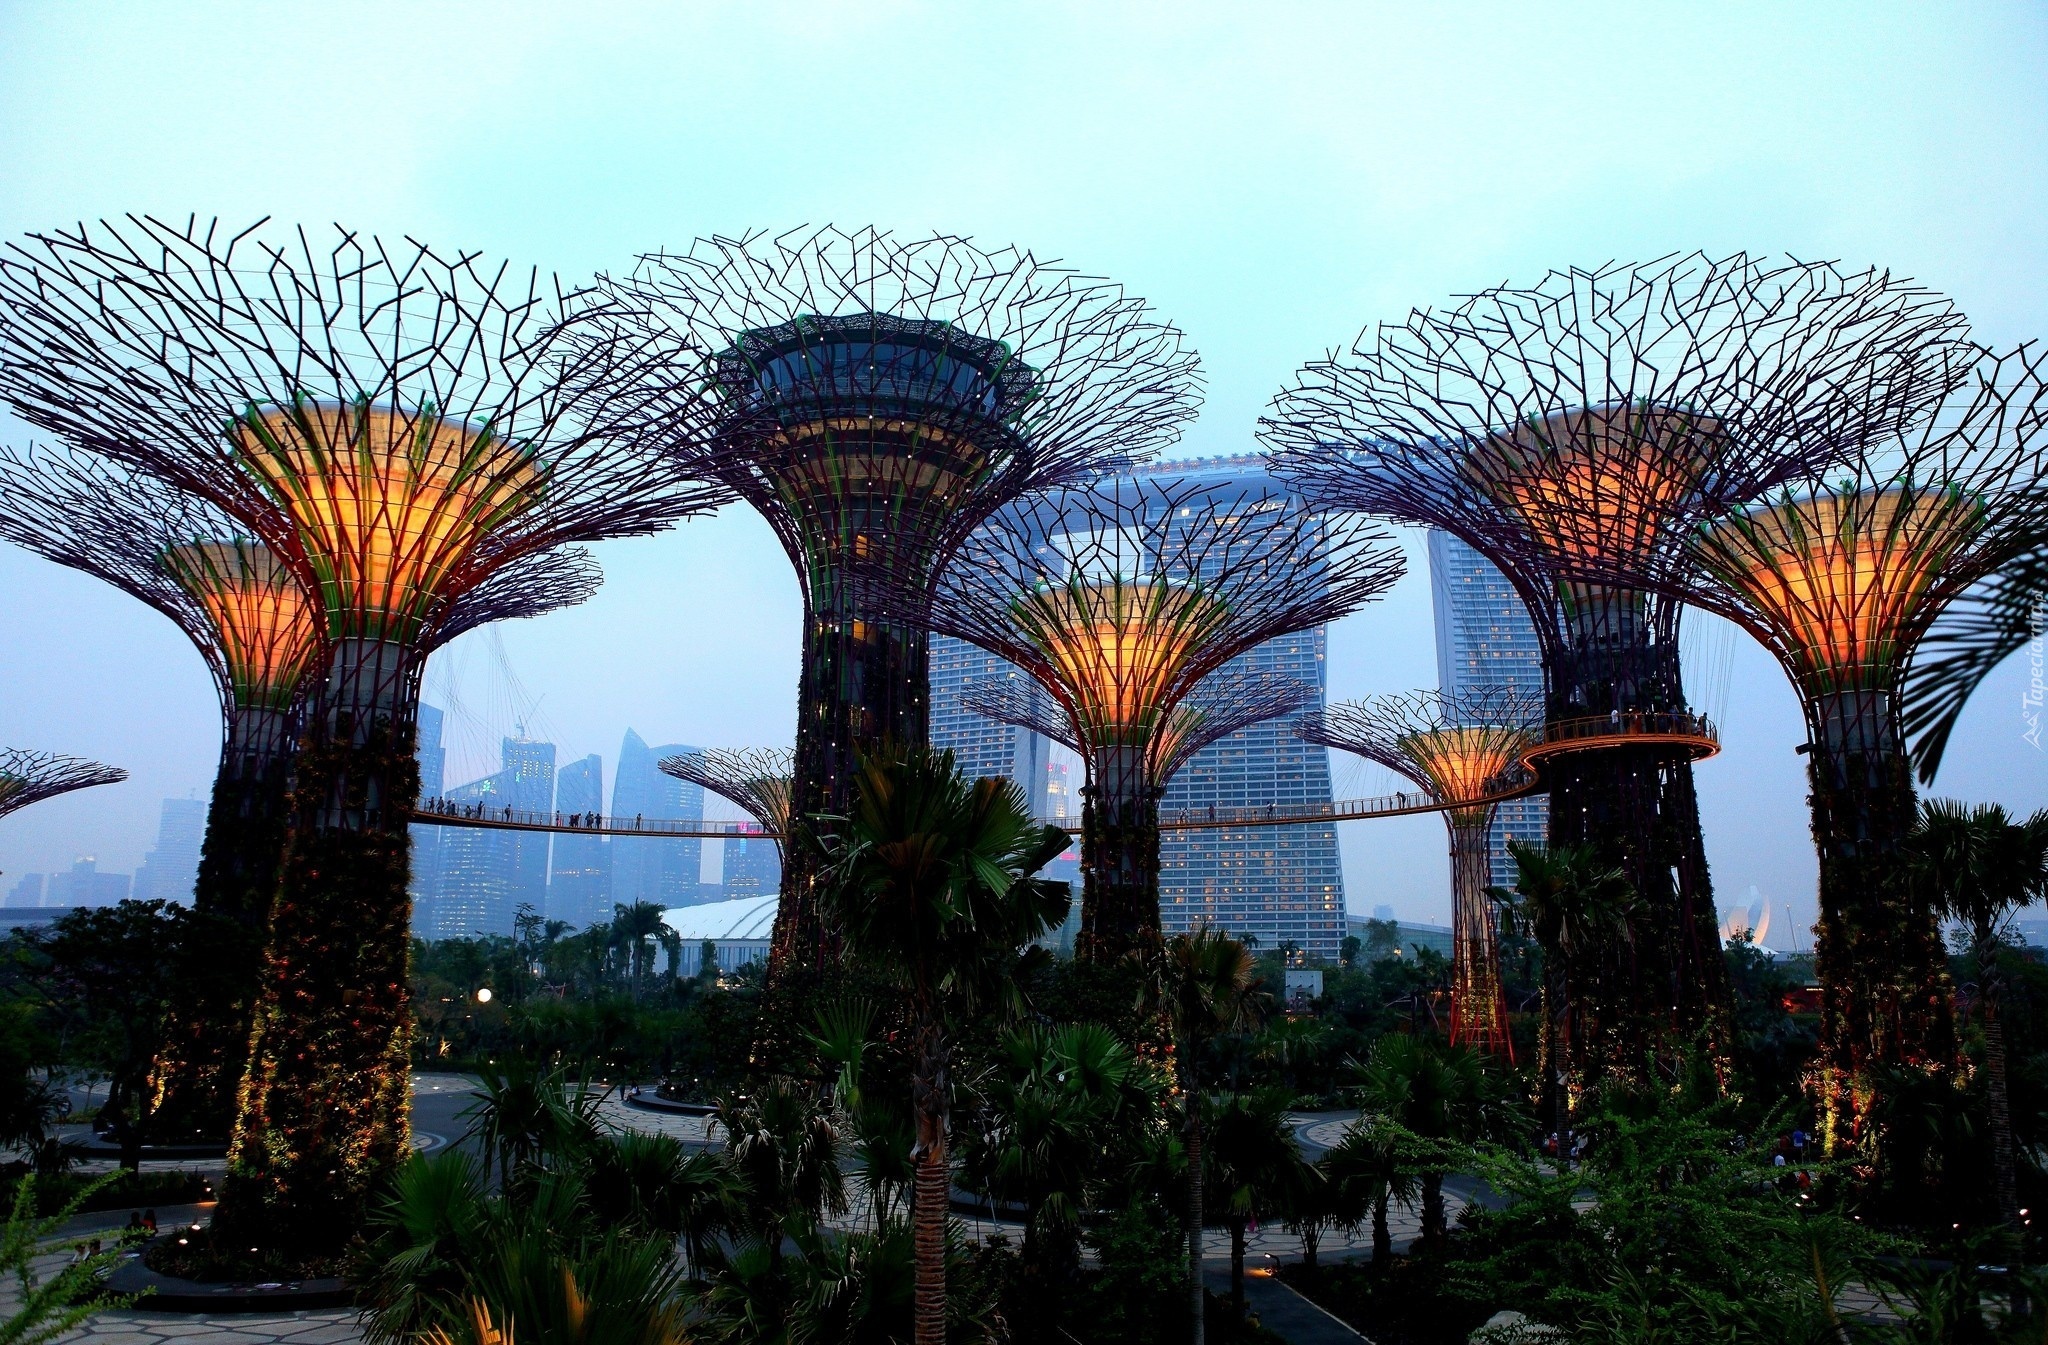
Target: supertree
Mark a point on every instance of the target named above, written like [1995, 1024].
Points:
[876, 398]
[1457, 748]
[1567, 430]
[1841, 576]
[30, 777]
[756, 779]
[259, 631]
[1118, 600]
[394, 425]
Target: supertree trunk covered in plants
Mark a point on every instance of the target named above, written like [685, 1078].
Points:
[1841, 576]
[395, 427]
[875, 399]
[1119, 601]
[1458, 749]
[1570, 432]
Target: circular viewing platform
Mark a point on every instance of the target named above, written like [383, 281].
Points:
[1692, 735]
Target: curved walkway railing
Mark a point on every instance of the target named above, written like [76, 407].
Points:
[443, 813]
[1692, 734]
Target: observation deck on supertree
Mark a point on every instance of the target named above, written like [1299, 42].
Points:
[259, 631]
[394, 425]
[1118, 601]
[1841, 576]
[1568, 431]
[28, 777]
[875, 399]
[756, 779]
[1456, 748]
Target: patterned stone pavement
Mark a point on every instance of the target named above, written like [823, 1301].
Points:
[438, 1095]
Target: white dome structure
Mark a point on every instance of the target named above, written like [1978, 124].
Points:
[739, 930]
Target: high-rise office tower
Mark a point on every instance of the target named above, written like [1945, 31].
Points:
[1059, 793]
[529, 771]
[1484, 638]
[27, 892]
[753, 866]
[981, 746]
[84, 885]
[171, 869]
[647, 868]
[486, 875]
[580, 890]
[426, 841]
[474, 893]
[1284, 885]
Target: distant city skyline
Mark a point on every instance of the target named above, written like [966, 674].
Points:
[169, 872]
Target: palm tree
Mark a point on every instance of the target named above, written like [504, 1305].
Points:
[1576, 912]
[1254, 1168]
[785, 1156]
[1979, 631]
[1366, 1168]
[636, 929]
[1208, 985]
[524, 1114]
[1978, 866]
[1438, 1093]
[930, 885]
[1049, 1103]
[653, 1185]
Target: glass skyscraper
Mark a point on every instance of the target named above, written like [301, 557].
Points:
[752, 866]
[171, 869]
[486, 875]
[1485, 639]
[432, 756]
[646, 868]
[580, 888]
[982, 746]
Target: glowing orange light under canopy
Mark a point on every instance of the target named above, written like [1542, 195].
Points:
[1596, 483]
[1462, 762]
[388, 504]
[1119, 647]
[267, 625]
[1841, 575]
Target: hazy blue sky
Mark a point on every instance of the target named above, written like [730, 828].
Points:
[1272, 176]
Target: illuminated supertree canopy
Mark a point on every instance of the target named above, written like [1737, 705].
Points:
[259, 631]
[1223, 703]
[1464, 747]
[394, 424]
[756, 779]
[1842, 576]
[876, 398]
[1118, 601]
[30, 777]
[1570, 432]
